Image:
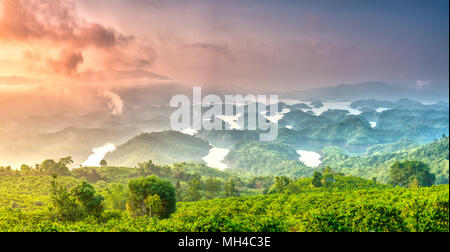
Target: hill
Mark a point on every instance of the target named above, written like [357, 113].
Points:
[161, 147]
[435, 154]
[267, 158]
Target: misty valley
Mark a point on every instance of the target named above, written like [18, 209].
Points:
[334, 148]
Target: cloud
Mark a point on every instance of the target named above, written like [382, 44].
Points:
[115, 103]
[66, 42]
[423, 83]
[67, 62]
[56, 21]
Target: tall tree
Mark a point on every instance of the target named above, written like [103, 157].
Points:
[230, 189]
[317, 179]
[194, 190]
[404, 173]
[212, 187]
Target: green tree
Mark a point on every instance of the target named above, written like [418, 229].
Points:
[404, 173]
[230, 189]
[317, 179]
[25, 168]
[212, 187]
[194, 190]
[141, 188]
[280, 185]
[60, 168]
[103, 163]
[90, 203]
[63, 206]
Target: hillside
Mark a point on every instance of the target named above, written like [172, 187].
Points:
[161, 147]
[435, 154]
[267, 158]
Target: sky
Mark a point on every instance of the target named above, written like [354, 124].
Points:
[74, 53]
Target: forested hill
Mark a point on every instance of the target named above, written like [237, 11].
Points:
[434, 154]
[267, 158]
[161, 147]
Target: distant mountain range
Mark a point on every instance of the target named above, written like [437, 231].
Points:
[369, 90]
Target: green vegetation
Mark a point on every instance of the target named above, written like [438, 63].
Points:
[151, 196]
[267, 158]
[337, 207]
[434, 154]
[162, 147]
[409, 173]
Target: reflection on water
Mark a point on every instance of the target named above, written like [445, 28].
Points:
[381, 109]
[99, 154]
[373, 124]
[309, 158]
[215, 157]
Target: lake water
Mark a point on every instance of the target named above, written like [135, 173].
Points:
[189, 131]
[215, 157]
[309, 158]
[275, 118]
[98, 155]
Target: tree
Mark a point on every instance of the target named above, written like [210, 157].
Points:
[212, 186]
[89, 201]
[25, 168]
[140, 189]
[317, 179]
[60, 168]
[404, 173]
[80, 202]
[63, 205]
[230, 189]
[194, 190]
[281, 184]
[103, 163]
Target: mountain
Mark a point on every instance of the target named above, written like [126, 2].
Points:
[368, 90]
[161, 147]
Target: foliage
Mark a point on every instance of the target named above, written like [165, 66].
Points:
[162, 147]
[230, 188]
[267, 158]
[410, 172]
[79, 202]
[434, 154]
[139, 191]
[370, 210]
